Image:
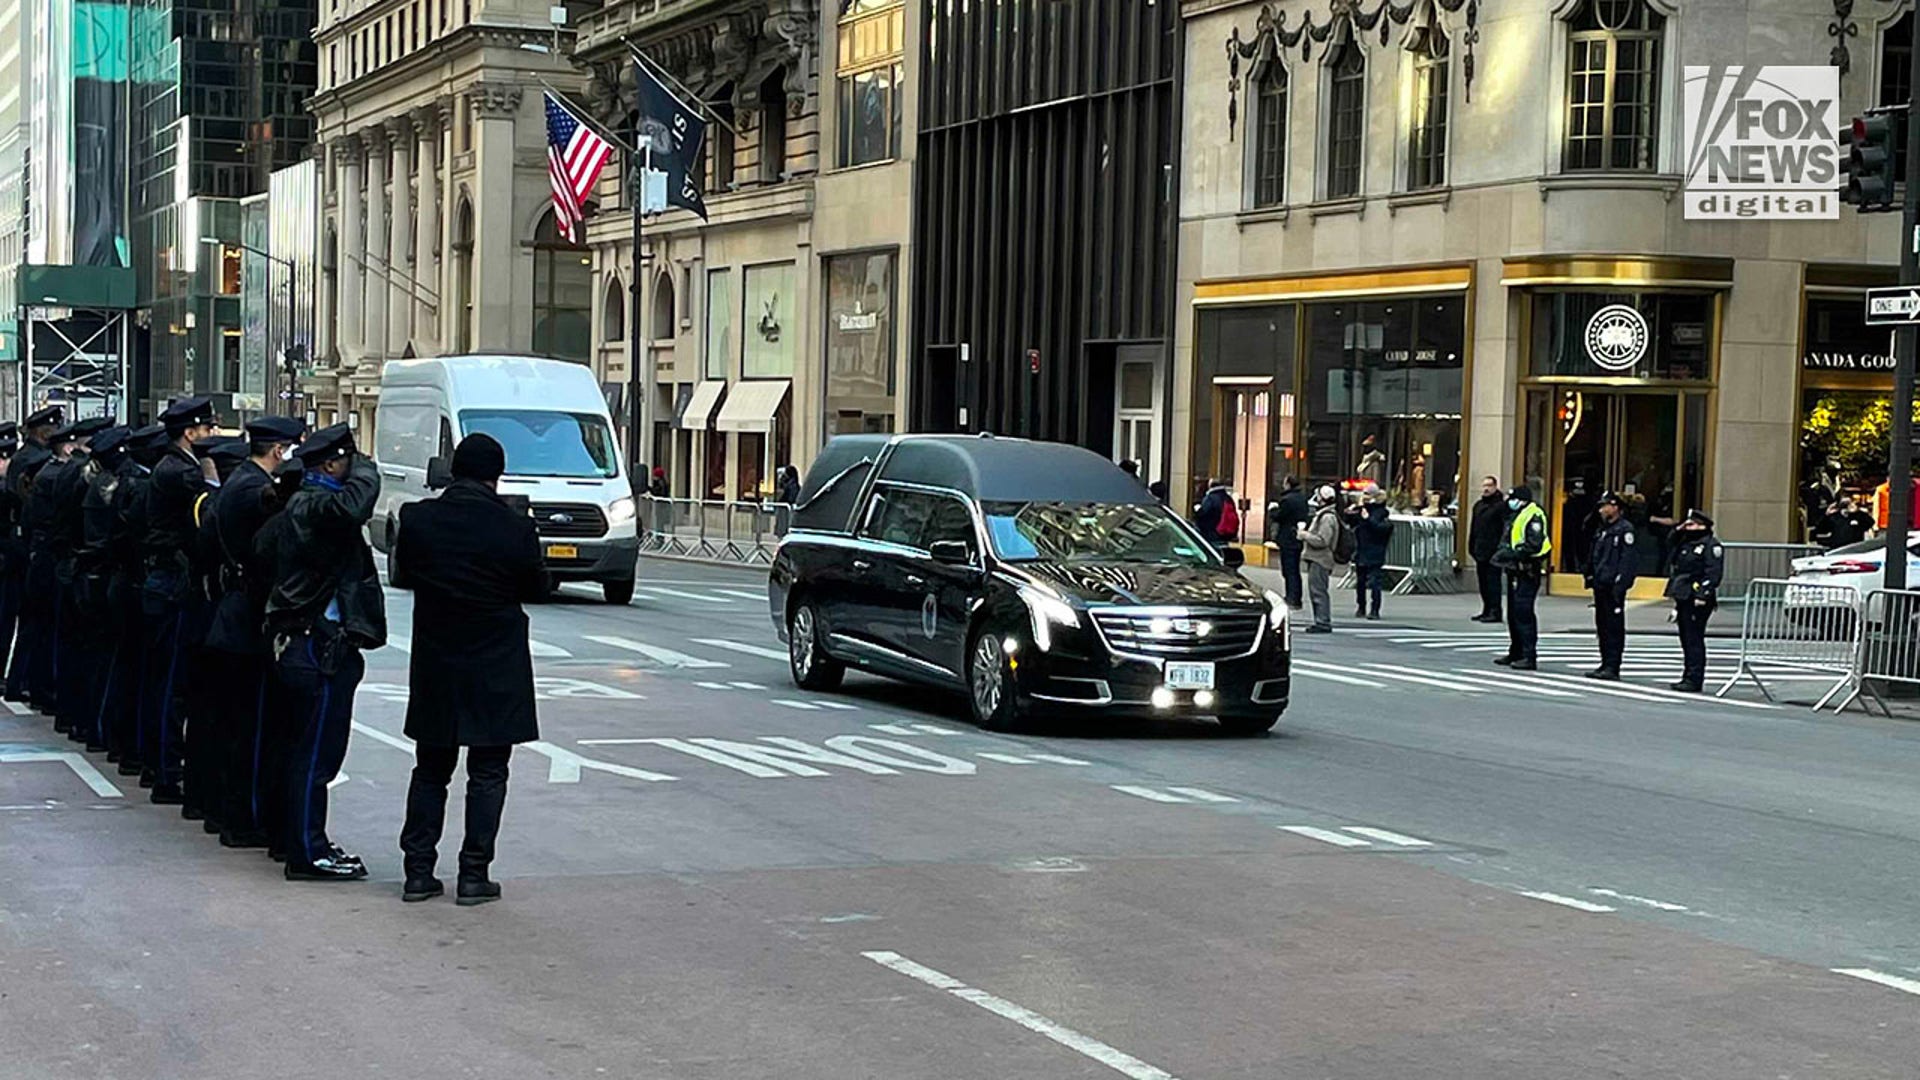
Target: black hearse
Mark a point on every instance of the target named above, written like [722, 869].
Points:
[1035, 577]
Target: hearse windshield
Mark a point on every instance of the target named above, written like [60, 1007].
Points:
[1091, 532]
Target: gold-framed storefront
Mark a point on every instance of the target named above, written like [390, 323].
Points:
[1355, 377]
[1843, 392]
[1617, 391]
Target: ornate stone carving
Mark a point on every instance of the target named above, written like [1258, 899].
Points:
[493, 99]
[1840, 29]
[1345, 18]
[789, 32]
[426, 120]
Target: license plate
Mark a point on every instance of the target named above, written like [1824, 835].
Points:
[1189, 675]
[562, 551]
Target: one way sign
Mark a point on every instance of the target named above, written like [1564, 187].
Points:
[1893, 306]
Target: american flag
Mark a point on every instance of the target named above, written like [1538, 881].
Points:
[575, 156]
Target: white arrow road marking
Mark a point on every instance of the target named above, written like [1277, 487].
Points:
[669, 657]
[1325, 836]
[1123, 1063]
[566, 765]
[743, 648]
[81, 767]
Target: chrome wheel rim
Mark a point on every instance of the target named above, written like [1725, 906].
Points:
[988, 682]
[802, 637]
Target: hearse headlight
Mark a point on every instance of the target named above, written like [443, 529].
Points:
[1048, 611]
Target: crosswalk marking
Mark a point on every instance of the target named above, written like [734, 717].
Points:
[1005, 759]
[1147, 793]
[1655, 693]
[1394, 671]
[804, 706]
[741, 647]
[1387, 837]
[1060, 760]
[1202, 795]
[1424, 680]
[1326, 836]
[19, 708]
[541, 648]
[669, 657]
[1531, 683]
[655, 591]
[1300, 668]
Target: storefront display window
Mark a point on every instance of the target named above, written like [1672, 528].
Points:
[1621, 335]
[859, 343]
[1846, 404]
[770, 338]
[720, 322]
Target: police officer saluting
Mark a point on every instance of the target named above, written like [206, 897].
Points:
[237, 645]
[173, 490]
[1523, 555]
[1610, 569]
[33, 647]
[13, 549]
[126, 676]
[326, 606]
[1694, 588]
[90, 656]
[62, 487]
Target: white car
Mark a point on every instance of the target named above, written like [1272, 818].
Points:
[1826, 589]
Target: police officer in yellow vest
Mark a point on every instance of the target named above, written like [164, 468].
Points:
[1523, 555]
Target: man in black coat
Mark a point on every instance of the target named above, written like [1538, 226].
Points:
[1485, 533]
[126, 677]
[1611, 564]
[237, 646]
[92, 614]
[62, 488]
[36, 590]
[471, 561]
[326, 606]
[173, 491]
[1283, 524]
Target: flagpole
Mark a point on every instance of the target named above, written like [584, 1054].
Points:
[583, 116]
[639, 393]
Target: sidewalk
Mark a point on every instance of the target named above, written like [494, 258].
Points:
[1455, 611]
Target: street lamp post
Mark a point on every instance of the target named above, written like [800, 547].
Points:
[293, 315]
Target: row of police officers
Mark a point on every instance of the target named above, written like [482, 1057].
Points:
[195, 606]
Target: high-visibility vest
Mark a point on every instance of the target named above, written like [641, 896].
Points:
[1517, 533]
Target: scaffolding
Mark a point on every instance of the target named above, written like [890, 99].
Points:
[76, 339]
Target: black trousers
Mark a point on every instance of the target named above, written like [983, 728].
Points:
[1489, 587]
[208, 723]
[240, 696]
[43, 676]
[162, 719]
[320, 702]
[13, 580]
[1691, 618]
[74, 654]
[1290, 569]
[427, 808]
[126, 677]
[1523, 629]
[1610, 624]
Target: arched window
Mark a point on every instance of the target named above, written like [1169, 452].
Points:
[773, 127]
[1427, 137]
[613, 313]
[330, 291]
[661, 319]
[1346, 120]
[463, 279]
[562, 294]
[1613, 85]
[1270, 136]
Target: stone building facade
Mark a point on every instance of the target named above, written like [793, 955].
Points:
[1400, 225]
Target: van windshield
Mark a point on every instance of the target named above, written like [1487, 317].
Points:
[541, 442]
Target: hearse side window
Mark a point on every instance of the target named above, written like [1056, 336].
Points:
[903, 519]
[951, 521]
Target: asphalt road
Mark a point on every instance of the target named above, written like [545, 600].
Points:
[1432, 869]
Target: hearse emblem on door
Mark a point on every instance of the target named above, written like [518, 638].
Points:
[929, 616]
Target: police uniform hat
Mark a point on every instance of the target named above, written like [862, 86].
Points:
[327, 444]
[223, 449]
[49, 415]
[148, 443]
[275, 429]
[88, 428]
[111, 439]
[1700, 516]
[1521, 492]
[188, 412]
[1608, 498]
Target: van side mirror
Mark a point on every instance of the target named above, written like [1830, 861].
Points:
[1234, 557]
[950, 552]
[439, 474]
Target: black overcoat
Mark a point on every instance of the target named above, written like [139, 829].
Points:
[471, 562]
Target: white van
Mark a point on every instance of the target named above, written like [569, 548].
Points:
[562, 455]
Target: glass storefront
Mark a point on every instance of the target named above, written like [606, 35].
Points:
[1616, 398]
[1846, 404]
[1375, 397]
[859, 343]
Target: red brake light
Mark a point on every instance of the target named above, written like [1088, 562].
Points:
[1852, 566]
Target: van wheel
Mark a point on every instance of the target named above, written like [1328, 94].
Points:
[807, 655]
[990, 689]
[618, 593]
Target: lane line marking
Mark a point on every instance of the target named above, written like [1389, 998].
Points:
[841, 705]
[1146, 793]
[1299, 669]
[1568, 901]
[738, 684]
[374, 733]
[1326, 836]
[1202, 795]
[698, 597]
[1058, 759]
[74, 761]
[892, 729]
[541, 648]
[806, 706]
[933, 729]
[19, 708]
[742, 594]
[1387, 837]
[669, 657]
[1087, 1046]
[713, 686]
[1658, 905]
[1460, 684]
[1911, 986]
[743, 648]
[1007, 759]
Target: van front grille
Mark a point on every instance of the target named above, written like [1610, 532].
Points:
[569, 520]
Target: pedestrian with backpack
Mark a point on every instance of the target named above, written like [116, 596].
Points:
[1320, 539]
[1217, 518]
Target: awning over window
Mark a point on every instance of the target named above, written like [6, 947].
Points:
[699, 408]
[751, 405]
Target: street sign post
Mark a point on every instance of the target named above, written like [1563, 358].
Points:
[1893, 305]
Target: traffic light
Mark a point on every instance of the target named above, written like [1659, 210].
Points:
[1870, 151]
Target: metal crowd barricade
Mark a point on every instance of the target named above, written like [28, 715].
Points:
[1746, 563]
[1420, 552]
[1795, 626]
[742, 533]
[1889, 644]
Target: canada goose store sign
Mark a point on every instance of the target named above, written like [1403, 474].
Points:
[1761, 142]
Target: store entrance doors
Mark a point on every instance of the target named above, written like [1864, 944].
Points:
[1646, 446]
